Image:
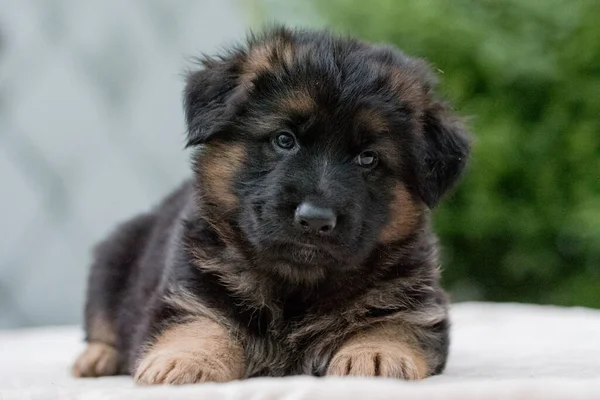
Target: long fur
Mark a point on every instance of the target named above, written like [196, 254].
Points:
[220, 246]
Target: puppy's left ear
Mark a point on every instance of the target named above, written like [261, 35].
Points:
[209, 98]
[445, 153]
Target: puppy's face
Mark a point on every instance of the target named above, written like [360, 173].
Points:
[320, 149]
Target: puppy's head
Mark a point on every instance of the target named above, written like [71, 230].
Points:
[320, 148]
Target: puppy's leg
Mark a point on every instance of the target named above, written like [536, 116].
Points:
[198, 350]
[388, 350]
[98, 359]
[107, 285]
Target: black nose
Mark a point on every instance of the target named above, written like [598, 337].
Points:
[310, 217]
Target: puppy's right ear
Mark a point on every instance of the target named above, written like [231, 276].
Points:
[208, 99]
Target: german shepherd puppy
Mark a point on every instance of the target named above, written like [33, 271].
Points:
[303, 243]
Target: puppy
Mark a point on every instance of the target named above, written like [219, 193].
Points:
[303, 243]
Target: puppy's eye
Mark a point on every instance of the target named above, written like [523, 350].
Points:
[367, 159]
[285, 140]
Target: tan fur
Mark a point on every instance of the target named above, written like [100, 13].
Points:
[372, 121]
[251, 286]
[199, 350]
[376, 124]
[387, 151]
[269, 123]
[301, 102]
[386, 350]
[180, 298]
[255, 287]
[266, 57]
[403, 216]
[285, 53]
[219, 166]
[98, 359]
[307, 276]
[101, 329]
[258, 60]
[409, 88]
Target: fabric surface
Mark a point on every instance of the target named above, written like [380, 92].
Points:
[498, 351]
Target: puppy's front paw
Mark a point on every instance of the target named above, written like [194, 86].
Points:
[179, 368]
[387, 360]
[98, 359]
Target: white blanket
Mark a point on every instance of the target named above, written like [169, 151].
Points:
[498, 351]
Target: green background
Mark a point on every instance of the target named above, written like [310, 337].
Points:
[524, 225]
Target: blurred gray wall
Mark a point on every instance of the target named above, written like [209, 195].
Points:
[91, 132]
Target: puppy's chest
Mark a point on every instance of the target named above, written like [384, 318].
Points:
[292, 343]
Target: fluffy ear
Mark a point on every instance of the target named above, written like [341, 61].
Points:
[207, 99]
[444, 155]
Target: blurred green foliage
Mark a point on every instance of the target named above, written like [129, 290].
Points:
[524, 225]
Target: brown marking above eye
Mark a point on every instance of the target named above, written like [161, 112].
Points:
[298, 103]
[375, 129]
[403, 216]
[294, 109]
[372, 121]
[264, 125]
